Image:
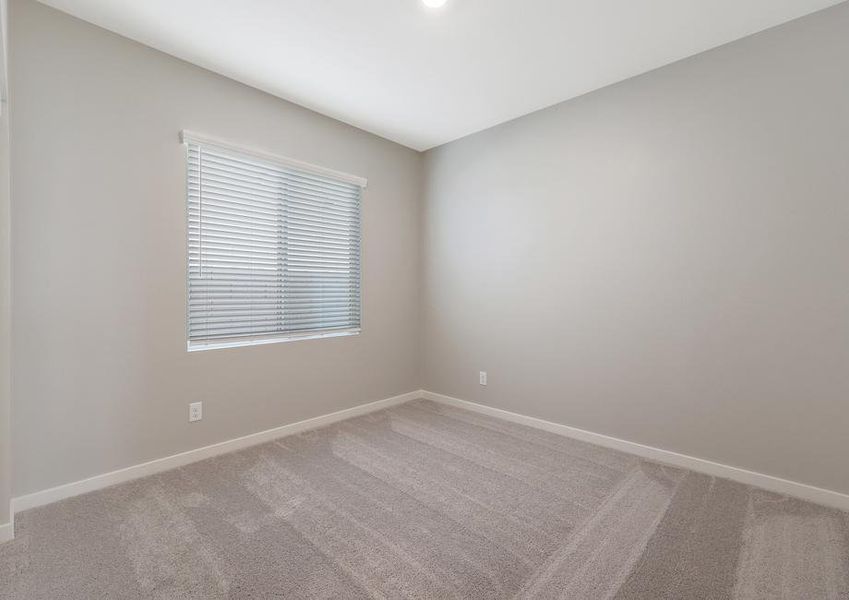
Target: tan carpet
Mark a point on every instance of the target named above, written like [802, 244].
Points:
[426, 501]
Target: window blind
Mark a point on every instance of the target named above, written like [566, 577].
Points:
[273, 248]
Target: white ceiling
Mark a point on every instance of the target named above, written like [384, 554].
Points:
[423, 77]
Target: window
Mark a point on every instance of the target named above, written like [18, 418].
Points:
[273, 248]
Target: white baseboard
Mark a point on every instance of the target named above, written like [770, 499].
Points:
[159, 465]
[760, 480]
[7, 532]
[767, 482]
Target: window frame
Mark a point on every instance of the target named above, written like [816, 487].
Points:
[189, 137]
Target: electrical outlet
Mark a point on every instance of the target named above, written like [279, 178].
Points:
[483, 378]
[195, 411]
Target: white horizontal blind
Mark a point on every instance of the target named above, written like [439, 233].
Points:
[274, 250]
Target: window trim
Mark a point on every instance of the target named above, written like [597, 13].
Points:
[186, 137]
[224, 343]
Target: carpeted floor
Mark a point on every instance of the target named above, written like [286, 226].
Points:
[427, 501]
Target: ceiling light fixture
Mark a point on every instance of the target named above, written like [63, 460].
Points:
[434, 3]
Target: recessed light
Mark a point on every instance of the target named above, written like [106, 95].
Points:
[434, 3]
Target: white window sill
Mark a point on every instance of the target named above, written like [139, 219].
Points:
[238, 343]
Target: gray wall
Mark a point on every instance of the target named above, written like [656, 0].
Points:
[102, 379]
[5, 321]
[665, 260]
[5, 289]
